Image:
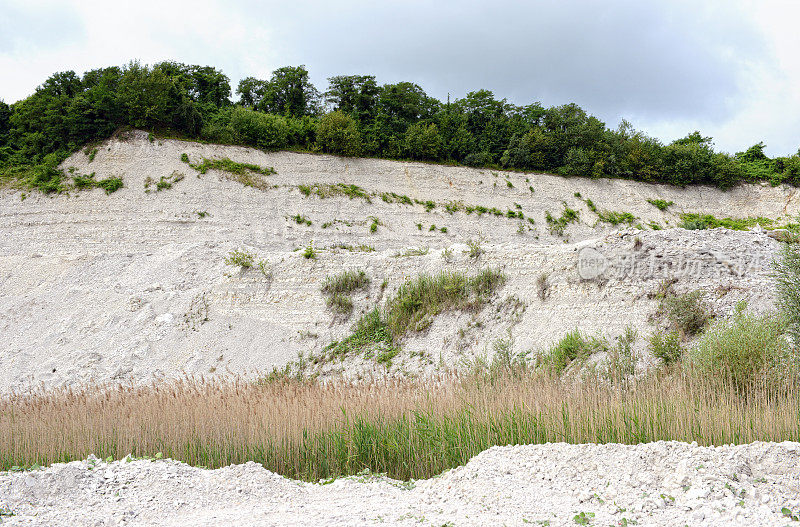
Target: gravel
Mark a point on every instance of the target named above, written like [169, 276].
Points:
[663, 483]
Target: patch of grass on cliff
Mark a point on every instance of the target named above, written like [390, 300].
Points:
[327, 190]
[247, 174]
[693, 221]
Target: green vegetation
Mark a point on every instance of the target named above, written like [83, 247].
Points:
[557, 225]
[615, 218]
[326, 190]
[309, 253]
[239, 258]
[660, 204]
[164, 183]
[110, 184]
[666, 346]
[744, 351]
[418, 301]
[687, 313]
[345, 282]
[707, 221]
[787, 287]
[398, 121]
[245, 173]
[301, 220]
[572, 346]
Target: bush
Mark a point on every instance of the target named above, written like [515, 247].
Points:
[423, 141]
[743, 351]
[259, 129]
[418, 301]
[666, 346]
[240, 258]
[478, 159]
[787, 285]
[572, 346]
[337, 133]
[687, 313]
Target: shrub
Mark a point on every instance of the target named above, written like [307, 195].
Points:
[423, 141]
[661, 204]
[572, 346]
[111, 184]
[787, 284]
[666, 346]
[240, 258]
[340, 304]
[337, 133]
[687, 313]
[259, 129]
[743, 351]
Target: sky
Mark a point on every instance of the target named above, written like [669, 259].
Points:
[729, 68]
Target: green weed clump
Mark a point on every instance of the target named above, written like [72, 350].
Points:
[239, 258]
[692, 221]
[345, 282]
[744, 351]
[661, 204]
[327, 190]
[687, 313]
[615, 218]
[574, 346]
[418, 301]
[247, 174]
[666, 346]
[557, 225]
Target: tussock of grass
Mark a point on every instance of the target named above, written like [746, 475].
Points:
[404, 428]
[418, 301]
[574, 346]
[326, 190]
[615, 218]
[345, 282]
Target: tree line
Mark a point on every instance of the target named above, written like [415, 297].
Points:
[355, 116]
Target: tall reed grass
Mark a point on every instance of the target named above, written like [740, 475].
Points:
[405, 428]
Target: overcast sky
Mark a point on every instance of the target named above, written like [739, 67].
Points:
[730, 68]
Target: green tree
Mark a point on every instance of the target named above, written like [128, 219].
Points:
[354, 94]
[251, 91]
[337, 133]
[423, 141]
[290, 93]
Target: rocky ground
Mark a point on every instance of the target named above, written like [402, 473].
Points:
[555, 484]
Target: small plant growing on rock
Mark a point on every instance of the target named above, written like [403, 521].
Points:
[241, 259]
[543, 286]
[474, 249]
[309, 253]
[666, 346]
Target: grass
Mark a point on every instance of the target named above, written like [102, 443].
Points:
[558, 225]
[418, 301]
[574, 346]
[615, 218]
[744, 351]
[661, 204]
[404, 428]
[301, 220]
[345, 282]
[247, 174]
[694, 221]
[327, 190]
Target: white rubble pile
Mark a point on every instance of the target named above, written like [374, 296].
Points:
[656, 484]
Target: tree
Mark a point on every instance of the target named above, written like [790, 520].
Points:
[337, 133]
[251, 91]
[290, 93]
[423, 141]
[5, 122]
[354, 94]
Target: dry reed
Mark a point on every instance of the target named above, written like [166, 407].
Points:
[406, 428]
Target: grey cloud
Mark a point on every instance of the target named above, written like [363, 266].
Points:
[617, 58]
